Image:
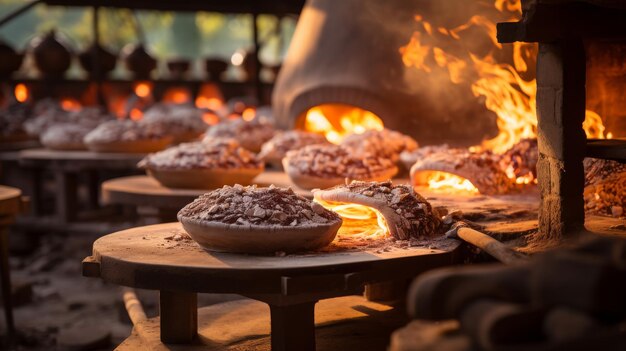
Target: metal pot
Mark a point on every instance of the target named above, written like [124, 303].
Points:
[10, 60]
[106, 59]
[51, 55]
[138, 60]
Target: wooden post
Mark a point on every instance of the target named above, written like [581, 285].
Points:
[66, 196]
[5, 271]
[293, 327]
[179, 317]
[561, 112]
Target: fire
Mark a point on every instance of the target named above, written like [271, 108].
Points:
[143, 89]
[248, 114]
[70, 104]
[135, 114]
[505, 91]
[210, 118]
[209, 97]
[358, 219]
[448, 182]
[177, 95]
[21, 93]
[336, 121]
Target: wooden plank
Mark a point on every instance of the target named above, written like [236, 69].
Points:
[179, 317]
[232, 6]
[146, 191]
[293, 327]
[78, 160]
[610, 149]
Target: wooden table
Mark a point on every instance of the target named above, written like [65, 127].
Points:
[67, 165]
[145, 258]
[10, 206]
[145, 191]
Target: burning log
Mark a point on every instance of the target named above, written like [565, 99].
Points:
[406, 213]
[258, 220]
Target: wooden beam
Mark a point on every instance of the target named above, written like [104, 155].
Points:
[561, 139]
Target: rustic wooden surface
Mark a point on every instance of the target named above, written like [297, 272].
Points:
[346, 323]
[146, 191]
[10, 201]
[144, 257]
[78, 160]
[10, 206]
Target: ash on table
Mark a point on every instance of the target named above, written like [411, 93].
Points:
[267, 206]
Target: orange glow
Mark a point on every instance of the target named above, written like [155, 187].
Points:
[209, 97]
[143, 89]
[248, 114]
[449, 183]
[177, 95]
[210, 118]
[21, 93]
[70, 104]
[136, 114]
[504, 90]
[336, 121]
[358, 219]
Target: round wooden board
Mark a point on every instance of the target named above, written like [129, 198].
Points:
[146, 191]
[10, 201]
[148, 257]
[79, 160]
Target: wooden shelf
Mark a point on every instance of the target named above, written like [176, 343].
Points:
[283, 7]
[610, 149]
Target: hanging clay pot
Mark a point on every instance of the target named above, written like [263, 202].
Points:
[51, 55]
[138, 60]
[10, 60]
[106, 59]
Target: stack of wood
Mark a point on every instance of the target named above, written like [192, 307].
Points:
[566, 300]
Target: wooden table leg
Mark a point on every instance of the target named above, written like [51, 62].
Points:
[66, 196]
[293, 327]
[6, 283]
[179, 317]
[93, 189]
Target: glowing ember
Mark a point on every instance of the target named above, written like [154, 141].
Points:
[336, 121]
[248, 114]
[358, 219]
[450, 183]
[504, 90]
[21, 93]
[210, 118]
[209, 97]
[135, 114]
[177, 95]
[69, 104]
[143, 89]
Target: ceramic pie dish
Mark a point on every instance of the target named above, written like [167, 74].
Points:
[258, 221]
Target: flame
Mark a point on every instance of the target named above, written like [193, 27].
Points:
[135, 114]
[143, 89]
[358, 219]
[209, 97]
[505, 91]
[248, 114]
[210, 118]
[21, 93]
[177, 95]
[449, 183]
[336, 121]
[70, 104]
